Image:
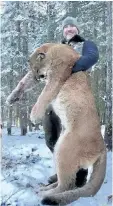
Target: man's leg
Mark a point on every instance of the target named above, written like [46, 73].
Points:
[52, 128]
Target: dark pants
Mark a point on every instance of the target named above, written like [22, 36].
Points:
[52, 127]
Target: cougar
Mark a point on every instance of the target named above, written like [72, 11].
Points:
[80, 143]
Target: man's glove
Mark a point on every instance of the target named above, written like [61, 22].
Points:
[90, 56]
[77, 38]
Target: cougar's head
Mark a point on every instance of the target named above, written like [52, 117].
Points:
[52, 59]
[38, 62]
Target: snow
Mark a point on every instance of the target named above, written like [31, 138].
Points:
[20, 18]
[103, 130]
[27, 163]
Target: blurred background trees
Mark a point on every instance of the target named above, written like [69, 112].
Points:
[27, 25]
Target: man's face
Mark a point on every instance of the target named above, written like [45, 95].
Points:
[69, 31]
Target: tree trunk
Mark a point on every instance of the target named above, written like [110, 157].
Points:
[9, 122]
[108, 115]
[29, 122]
[10, 79]
[23, 116]
[23, 47]
[51, 21]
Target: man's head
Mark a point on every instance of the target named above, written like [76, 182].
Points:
[70, 27]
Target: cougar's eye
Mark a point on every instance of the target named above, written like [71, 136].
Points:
[40, 56]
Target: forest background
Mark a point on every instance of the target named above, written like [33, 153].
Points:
[25, 25]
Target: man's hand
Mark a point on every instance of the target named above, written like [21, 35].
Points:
[76, 38]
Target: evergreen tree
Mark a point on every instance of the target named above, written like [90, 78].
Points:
[27, 25]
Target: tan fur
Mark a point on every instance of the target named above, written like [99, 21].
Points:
[80, 144]
[56, 71]
[26, 82]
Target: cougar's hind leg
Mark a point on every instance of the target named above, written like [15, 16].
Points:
[52, 128]
[48, 187]
[80, 179]
[90, 189]
[67, 165]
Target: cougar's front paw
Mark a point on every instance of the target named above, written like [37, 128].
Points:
[35, 115]
[15, 95]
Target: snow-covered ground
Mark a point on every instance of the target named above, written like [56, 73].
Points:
[27, 162]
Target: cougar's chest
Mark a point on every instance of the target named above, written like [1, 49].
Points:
[60, 111]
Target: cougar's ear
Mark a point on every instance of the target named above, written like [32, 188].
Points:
[40, 56]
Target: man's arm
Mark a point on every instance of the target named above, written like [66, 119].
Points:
[90, 56]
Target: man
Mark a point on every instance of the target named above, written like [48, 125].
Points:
[86, 48]
[89, 56]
